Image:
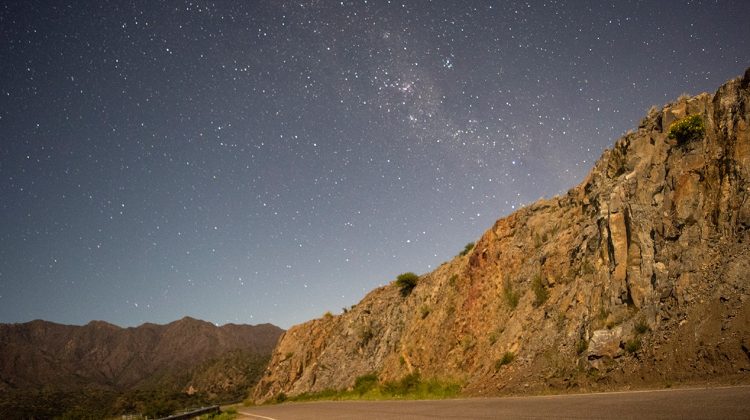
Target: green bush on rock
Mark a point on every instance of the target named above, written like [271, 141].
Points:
[687, 129]
[406, 283]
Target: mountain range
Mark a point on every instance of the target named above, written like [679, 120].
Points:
[99, 369]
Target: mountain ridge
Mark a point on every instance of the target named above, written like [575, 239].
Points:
[186, 356]
[633, 277]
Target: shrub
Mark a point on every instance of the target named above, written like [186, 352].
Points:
[468, 343]
[467, 249]
[365, 383]
[505, 360]
[641, 327]
[369, 387]
[280, 398]
[406, 283]
[540, 292]
[633, 345]
[510, 295]
[412, 386]
[687, 129]
[406, 385]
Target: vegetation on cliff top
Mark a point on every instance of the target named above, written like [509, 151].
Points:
[406, 283]
[467, 249]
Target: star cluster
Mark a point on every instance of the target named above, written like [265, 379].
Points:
[267, 161]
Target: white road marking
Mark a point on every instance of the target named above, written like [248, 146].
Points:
[244, 413]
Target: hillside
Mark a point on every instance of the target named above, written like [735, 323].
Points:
[47, 369]
[636, 277]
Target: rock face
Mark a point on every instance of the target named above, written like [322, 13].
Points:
[639, 275]
[186, 355]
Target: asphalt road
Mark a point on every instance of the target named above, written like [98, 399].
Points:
[694, 403]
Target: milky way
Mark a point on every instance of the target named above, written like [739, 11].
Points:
[270, 161]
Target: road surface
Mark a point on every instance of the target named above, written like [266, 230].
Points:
[694, 403]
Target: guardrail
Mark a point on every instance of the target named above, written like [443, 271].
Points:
[194, 413]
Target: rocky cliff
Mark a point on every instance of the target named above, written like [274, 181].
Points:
[151, 362]
[639, 276]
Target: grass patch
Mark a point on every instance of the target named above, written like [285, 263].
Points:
[507, 359]
[511, 296]
[365, 383]
[633, 345]
[413, 387]
[369, 387]
[541, 294]
[641, 327]
[229, 414]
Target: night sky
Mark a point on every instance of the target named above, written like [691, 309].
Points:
[268, 161]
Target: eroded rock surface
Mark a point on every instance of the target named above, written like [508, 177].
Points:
[645, 265]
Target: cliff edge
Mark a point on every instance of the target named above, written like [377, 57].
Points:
[639, 276]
